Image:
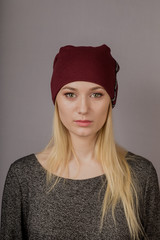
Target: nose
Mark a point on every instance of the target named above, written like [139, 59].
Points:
[83, 105]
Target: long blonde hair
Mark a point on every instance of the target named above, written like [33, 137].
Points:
[120, 184]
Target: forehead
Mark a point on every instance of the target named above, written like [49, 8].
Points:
[82, 85]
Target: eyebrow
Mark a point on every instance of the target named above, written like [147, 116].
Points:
[74, 89]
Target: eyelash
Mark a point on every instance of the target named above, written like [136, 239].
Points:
[66, 94]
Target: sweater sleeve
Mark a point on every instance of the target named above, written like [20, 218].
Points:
[11, 227]
[152, 206]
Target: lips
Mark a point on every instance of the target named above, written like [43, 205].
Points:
[83, 121]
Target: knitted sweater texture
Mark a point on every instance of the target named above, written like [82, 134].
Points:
[72, 209]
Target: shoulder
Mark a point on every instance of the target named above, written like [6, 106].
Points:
[24, 168]
[137, 161]
[142, 168]
[25, 162]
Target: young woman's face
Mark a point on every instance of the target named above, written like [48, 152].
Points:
[83, 101]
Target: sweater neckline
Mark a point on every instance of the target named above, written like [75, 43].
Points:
[68, 179]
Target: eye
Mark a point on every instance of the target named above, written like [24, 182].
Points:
[69, 95]
[97, 95]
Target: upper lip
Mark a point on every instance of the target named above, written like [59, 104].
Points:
[83, 121]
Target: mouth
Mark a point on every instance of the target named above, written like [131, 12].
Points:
[83, 123]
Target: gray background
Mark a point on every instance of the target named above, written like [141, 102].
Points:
[32, 32]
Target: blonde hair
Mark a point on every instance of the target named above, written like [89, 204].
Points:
[120, 184]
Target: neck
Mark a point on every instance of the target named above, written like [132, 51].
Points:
[84, 148]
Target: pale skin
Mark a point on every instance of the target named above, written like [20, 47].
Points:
[82, 101]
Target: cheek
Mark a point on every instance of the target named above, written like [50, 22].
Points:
[65, 115]
[102, 115]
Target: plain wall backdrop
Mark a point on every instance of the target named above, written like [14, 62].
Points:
[32, 32]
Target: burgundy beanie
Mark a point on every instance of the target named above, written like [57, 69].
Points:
[85, 63]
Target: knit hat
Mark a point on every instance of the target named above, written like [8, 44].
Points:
[85, 63]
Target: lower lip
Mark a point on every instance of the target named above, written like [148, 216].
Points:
[83, 124]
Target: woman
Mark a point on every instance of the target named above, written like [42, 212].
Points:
[82, 185]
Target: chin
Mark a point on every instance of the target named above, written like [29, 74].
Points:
[83, 133]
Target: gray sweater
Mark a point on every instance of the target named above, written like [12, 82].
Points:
[72, 209]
